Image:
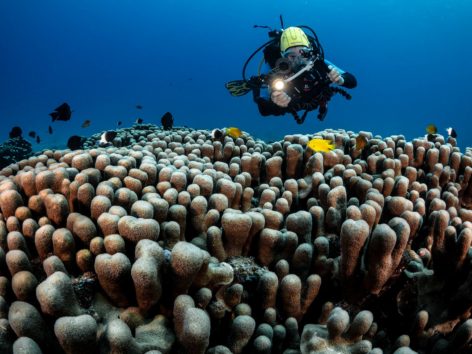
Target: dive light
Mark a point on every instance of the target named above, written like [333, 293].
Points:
[278, 85]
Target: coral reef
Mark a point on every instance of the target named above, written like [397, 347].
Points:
[170, 242]
[13, 150]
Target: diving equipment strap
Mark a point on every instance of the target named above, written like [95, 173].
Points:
[307, 67]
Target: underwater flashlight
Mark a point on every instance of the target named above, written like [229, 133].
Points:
[278, 85]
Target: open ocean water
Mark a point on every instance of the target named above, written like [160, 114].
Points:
[412, 61]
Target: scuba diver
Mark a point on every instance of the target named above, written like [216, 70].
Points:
[300, 78]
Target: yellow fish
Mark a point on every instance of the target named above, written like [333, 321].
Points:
[431, 129]
[233, 132]
[361, 142]
[320, 145]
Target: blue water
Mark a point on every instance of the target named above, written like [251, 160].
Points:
[412, 60]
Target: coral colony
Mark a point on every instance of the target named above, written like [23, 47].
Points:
[168, 241]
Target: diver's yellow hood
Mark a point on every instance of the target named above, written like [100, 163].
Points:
[293, 37]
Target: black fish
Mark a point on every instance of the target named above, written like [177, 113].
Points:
[119, 122]
[75, 142]
[139, 121]
[431, 137]
[108, 136]
[49, 129]
[62, 112]
[15, 132]
[167, 121]
[217, 134]
[38, 139]
[32, 134]
[451, 132]
[138, 106]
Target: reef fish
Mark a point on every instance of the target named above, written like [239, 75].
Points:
[320, 145]
[107, 137]
[233, 132]
[167, 121]
[361, 142]
[138, 106]
[38, 139]
[139, 120]
[49, 129]
[62, 112]
[15, 132]
[75, 142]
[217, 134]
[86, 123]
[451, 132]
[32, 134]
[431, 129]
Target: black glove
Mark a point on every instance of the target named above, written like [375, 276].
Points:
[255, 82]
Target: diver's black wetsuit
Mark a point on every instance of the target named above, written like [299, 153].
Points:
[309, 99]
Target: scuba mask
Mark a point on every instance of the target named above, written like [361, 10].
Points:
[304, 52]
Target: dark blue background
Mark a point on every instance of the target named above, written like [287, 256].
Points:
[412, 60]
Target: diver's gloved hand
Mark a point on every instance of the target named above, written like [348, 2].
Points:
[335, 76]
[255, 81]
[280, 98]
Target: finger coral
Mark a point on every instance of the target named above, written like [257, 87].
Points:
[168, 241]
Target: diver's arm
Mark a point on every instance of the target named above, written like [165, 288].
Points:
[349, 79]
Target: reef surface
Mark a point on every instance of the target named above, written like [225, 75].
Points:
[13, 150]
[171, 242]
